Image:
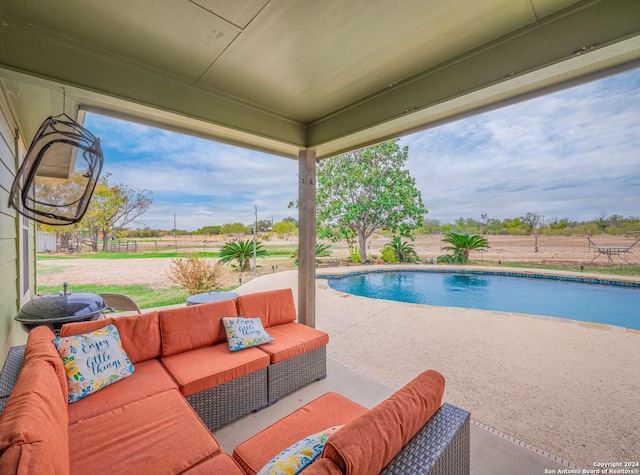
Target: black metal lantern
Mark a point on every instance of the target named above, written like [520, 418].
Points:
[61, 149]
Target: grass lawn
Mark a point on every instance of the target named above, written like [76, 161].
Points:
[145, 296]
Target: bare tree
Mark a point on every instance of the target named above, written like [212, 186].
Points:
[112, 208]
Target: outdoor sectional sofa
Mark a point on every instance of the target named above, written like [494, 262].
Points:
[186, 383]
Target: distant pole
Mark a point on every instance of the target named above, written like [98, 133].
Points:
[175, 232]
[255, 235]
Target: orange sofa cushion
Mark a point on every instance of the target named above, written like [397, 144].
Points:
[196, 326]
[293, 339]
[205, 368]
[40, 347]
[274, 307]
[158, 434]
[328, 410]
[149, 378]
[34, 434]
[367, 444]
[220, 464]
[322, 466]
[140, 334]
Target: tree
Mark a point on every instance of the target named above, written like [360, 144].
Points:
[532, 220]
[112, 208]
[284, 229]
[366, 190]
[242, 252]
[462, 244]
[209, 230]
[234, 229]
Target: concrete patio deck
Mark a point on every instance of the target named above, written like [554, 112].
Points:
[513, 372]
[492, 453]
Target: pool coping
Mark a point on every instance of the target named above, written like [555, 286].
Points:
[570, 276]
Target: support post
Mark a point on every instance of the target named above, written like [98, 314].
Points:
[307, 238]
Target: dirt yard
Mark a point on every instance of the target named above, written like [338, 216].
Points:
[155, 271]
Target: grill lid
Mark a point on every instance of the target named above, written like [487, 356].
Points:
[61, 307]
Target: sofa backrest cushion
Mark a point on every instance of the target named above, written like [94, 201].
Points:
[195, 326]
[40, 347]
[34, 435]
[273, 307]
[139, 334]
[368, 443]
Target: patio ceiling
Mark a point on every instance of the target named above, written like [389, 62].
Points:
[285, 75]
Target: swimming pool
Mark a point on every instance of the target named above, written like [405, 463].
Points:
[507, 292]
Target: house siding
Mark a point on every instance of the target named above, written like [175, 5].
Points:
[12, 281]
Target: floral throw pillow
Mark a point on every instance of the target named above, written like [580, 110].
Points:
[244, 332]
[296, 458]
[93, 360]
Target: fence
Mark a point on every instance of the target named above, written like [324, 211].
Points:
[123, 246]
[46, 242]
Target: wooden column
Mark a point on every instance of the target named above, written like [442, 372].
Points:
[307, 238]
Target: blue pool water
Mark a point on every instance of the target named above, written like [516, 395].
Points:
[611, 304]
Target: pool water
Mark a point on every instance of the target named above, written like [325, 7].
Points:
[610, 304]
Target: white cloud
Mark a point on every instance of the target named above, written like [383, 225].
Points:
[575, 154]
[572, 154]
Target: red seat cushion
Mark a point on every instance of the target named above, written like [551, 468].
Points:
[220, 464]
[158, 434]
[148, 379]
[327, 411]
[203, 368]
[293, 339]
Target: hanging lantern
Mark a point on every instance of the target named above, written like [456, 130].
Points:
[59, 173]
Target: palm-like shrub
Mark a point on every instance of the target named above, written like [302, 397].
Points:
[322, 250]
[242, 252]
[404, 251]
[461, 245]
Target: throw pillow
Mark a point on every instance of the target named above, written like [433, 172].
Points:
[244, 332]
[296, 458]
[93, 360]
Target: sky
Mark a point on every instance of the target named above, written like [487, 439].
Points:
[573, 154]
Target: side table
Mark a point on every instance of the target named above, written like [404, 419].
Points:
[211, 296]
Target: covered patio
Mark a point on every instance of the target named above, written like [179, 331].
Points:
[302, 80]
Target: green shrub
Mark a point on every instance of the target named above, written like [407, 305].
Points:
[404, 251]
[354, 254]
[389, 255]
[195, 274]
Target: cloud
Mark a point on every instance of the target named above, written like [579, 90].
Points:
[201, 181]
[574, 153]
[571, 154]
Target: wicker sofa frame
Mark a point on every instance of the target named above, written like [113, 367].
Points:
[229, 401]
[441, 447]
[9, 374]
[289, 375]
